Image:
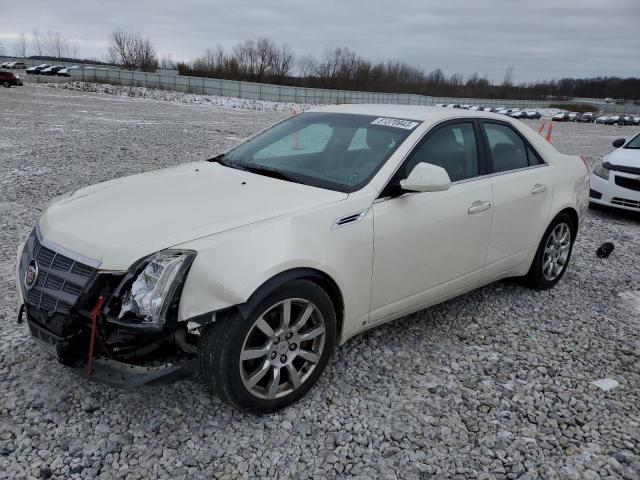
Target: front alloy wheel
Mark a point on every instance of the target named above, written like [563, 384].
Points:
[270, 359]
[282, 348]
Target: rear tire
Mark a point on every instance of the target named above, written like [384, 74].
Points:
[272, 358]
[553, 254]
[6, 85]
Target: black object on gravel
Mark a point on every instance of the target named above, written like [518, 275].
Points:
[605, 249]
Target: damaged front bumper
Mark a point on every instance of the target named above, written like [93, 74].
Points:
[59, 291]
[108, 370]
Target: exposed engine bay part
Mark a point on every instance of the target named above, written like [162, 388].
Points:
[182, 340]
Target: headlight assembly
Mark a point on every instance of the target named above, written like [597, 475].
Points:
[601, 171]
[148, 297]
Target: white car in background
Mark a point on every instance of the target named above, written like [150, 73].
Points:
[615, 180]
[255, 264]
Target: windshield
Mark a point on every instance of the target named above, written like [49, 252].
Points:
[634, 142]
[329, 150]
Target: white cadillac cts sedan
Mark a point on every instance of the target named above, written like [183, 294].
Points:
[251, 267]
[615, 180]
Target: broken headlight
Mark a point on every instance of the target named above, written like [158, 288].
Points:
[599, 170]
[152, 291]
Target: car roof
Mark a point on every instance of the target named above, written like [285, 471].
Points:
[410, 112]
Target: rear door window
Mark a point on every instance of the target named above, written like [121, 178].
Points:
[508, 149]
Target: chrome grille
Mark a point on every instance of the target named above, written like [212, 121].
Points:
[61, 278]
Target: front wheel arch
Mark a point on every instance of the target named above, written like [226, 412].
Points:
[318, 277]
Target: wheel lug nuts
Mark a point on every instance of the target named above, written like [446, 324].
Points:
[274, 355]
[292, 347]
[283, 358]
[276, 340]
[288, 335]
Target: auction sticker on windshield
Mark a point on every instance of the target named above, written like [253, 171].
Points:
[395, 122]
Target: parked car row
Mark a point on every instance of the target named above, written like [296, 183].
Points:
[618, 119]
[46, 69]
[13, 65]
[590, 117]
[510, 112]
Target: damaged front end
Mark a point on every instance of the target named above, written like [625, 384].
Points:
[118, 328]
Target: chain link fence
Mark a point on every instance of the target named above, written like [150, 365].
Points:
[278, 93]
[283, 93]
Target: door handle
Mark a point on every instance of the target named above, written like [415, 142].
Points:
[479, 206]
[538, 188]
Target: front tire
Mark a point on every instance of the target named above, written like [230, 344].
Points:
[271, 359]
[554, 253]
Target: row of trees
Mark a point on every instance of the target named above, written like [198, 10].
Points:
[256, 61]
[341, 68]
[262, 60]
[50, 44]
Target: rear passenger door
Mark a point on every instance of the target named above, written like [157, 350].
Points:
[522, 194]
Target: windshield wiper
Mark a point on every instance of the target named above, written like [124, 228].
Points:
[221, 160]
[268, 172]
[254, 168]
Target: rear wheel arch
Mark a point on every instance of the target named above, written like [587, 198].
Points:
[316, 276]
[572, 212]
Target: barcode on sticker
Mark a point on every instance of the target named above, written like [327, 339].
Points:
[395, 122]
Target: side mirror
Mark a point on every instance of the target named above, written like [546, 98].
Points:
[426, 177]
[618, 143]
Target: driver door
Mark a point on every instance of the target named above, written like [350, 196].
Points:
[432, 245]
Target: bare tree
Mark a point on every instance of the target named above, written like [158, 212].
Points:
[246, 56]
[307, 65]
[74, 48]
[2, 51]
[508, 77]
[20, 46]
[266, 53]
[336, 63]
[37, 42]
[167, 62]
[131, 51]
[283, 63]
[55, 45]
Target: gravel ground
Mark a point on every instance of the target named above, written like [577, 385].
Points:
[492, 385]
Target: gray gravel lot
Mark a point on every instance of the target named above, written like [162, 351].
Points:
[492, 385]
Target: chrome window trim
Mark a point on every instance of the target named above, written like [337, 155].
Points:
[467, 180]
[530, 167]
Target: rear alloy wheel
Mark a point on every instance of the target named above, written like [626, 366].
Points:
[272, 358]
[6, 84]
[554, 252]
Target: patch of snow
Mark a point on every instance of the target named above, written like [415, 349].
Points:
[631, 299]
[606, 384]
[181, 97]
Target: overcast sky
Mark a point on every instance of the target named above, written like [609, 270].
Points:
[543, 39]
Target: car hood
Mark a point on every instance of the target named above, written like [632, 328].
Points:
[624, 157]
[119, 221]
